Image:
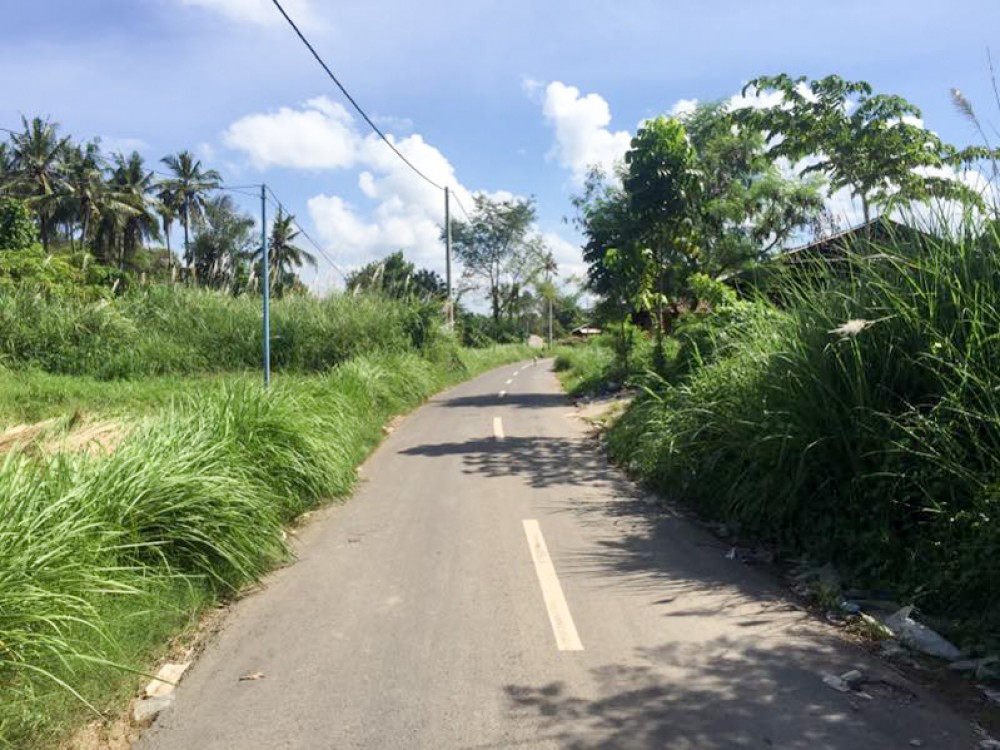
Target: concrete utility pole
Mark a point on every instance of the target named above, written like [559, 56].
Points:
[447, 254]
[266, 276]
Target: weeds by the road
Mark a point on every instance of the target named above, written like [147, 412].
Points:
[176, 330]
[859, 422]
[103, 556]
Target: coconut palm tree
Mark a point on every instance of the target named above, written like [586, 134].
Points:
[284, 256]
[36, 174]
[191, 186]
[133, 185]
[79, 205]
[168, 205]
[6, 166]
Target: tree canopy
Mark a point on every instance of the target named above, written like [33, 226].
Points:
[500, 250]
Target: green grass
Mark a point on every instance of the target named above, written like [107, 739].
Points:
[877, 449]
[102, 558]
[167, 330]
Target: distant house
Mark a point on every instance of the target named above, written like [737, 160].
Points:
[585, 332]
[865, 239]
[871, 234]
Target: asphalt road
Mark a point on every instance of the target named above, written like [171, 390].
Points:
[482, 591]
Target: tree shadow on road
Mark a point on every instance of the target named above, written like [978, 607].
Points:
[540, 461]
[724, 695]
[519, 400]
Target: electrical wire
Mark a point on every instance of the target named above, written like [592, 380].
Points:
[459, 202]
[350, 98]
[276, 203]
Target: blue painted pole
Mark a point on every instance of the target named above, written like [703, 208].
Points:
[266, 276]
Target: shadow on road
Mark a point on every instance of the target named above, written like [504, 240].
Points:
[542, 462]
[648, 543]
[520, 400]
[722, 695]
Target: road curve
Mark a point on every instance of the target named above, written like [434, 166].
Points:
[494, 584]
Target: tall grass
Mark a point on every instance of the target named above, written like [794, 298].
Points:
[176, 330]
[859, 423]
[102, 557]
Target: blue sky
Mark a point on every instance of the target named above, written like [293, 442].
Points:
[512, 97]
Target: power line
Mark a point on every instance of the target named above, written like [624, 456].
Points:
[276, 202]
[350, 98]
[459, 202]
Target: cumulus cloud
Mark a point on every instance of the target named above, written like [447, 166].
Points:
[398, 210]
[321, 135]
[568, 256]
[260, 12]
[582, 136]
[683, 107]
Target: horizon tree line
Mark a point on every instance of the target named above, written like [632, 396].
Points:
[112, 207]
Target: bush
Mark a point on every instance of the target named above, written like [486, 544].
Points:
[861, 424]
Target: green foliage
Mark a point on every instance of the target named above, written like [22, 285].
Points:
[172, 330]
[866, 142]
[102, 557]
[498, 248]
[17, 230]
[396, 277]
[860, 424]
[712, 291]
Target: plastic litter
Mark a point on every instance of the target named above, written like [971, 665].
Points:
[920, 637]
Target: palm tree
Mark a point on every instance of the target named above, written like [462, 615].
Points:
[84, 182]
[6, 166]
[169, 207]
[37, 156]
[191, 186]
[133, 185]
[284, 256]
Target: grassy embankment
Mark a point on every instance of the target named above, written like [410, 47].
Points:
[873, 443]
[105, 555]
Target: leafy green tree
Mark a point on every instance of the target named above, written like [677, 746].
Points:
[224, 247]
[134, 187]
[499, 249]
[36, 170]
[17, 230]
[867, 143]
[747, 207]
[284, 256]
[396, 277]
[168, 206]
[80, 204]
[190, 185]
[663, 187]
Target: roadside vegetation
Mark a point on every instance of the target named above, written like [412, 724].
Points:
[838, 404]
[145, 473]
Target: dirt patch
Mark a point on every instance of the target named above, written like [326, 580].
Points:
[601, 412]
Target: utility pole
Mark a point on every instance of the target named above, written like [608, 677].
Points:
[265, 274]
[447, 254]
[550, 318]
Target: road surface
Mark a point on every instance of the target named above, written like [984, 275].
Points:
[494, 584]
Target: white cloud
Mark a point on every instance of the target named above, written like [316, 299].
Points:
[321, 135]
[568, 256]
[398, 211]
[583, 139]
[683, 107]
[261, 12]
